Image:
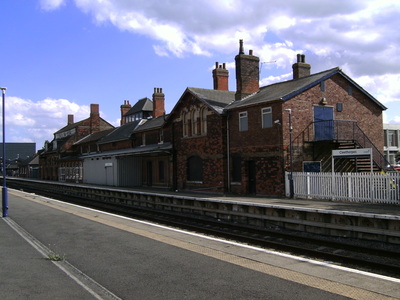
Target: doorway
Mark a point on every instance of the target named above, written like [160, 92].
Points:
[252, 172]
[323, 123]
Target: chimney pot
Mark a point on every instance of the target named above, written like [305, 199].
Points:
[250, 52]
[241, 51]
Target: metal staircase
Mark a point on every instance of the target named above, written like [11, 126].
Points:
[342, 134]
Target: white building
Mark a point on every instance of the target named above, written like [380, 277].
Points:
[392, 142]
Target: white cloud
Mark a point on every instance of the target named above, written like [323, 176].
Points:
[31, 121]
[355, 31]
[51, 4]
[361, 36]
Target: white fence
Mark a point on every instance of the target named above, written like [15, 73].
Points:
[360, 187]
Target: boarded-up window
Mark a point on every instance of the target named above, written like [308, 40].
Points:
[195, 168]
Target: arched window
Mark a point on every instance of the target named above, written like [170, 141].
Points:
[195, 118]
[184, 124]
[203, 121]
[195, 168]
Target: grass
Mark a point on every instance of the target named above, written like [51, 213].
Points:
[56, 257]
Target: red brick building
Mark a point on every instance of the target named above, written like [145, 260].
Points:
[239, 141]
[59, 160]
[216, 140]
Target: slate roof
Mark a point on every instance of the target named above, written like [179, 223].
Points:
[123, 132]
[70, 126]
[151, 124]
[215, 99]
[77, 124]
[153, 148]
[94, 136]
[288, 89]
[144, 104]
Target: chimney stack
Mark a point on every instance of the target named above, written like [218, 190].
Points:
[70, 119]
[94, 118]
[301, 68]
[158, 103]
[220, 77]
[247, 73]
[124, 110]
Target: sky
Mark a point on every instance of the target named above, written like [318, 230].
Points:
[59, 56]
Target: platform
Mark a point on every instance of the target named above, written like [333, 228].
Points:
[112, 257]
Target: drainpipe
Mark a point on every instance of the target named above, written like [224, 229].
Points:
[228, 156]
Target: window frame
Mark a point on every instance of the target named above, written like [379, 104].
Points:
[243, 116]
[263, 124]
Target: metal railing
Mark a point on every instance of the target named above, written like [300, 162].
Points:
[343, 131]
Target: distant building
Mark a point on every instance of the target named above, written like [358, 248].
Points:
[58, 160]
[18, 150]
[392, 141]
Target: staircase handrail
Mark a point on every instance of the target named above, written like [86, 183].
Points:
[347, 130]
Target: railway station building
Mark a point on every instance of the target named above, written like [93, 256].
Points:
[241, 141]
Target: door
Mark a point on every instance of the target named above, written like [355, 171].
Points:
[252, 176]
[323, 123]
[149, 173]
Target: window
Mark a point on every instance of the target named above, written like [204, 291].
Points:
[392, 138]
[195, 169]
[195, 117]
[184, 124]
[143, 139]
[204, 121]
[243, 121]
[266, 114]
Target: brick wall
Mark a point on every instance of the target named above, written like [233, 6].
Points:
[269, 147]
[210, 147]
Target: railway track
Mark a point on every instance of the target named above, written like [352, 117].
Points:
[371, 256]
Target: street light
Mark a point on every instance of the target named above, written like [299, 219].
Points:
[291, 185]
[4, 190]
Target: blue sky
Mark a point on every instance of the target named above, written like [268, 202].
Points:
[59, 56]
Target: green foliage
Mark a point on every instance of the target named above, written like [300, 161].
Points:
[56, 257]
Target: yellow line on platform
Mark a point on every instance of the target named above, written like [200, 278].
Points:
[301, 278]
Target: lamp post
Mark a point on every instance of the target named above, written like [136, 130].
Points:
[4, 190]
[291, 185]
